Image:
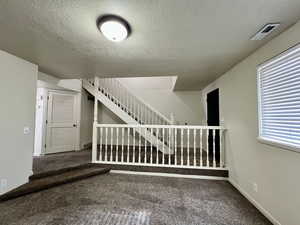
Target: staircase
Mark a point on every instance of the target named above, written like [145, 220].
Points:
[131, 109]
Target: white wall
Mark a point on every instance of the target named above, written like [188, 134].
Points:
[274, 170]
[47, 81]
[18, 98]
[185, 105]
[51, 82]
[158, 92]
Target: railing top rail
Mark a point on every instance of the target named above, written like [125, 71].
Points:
[160, 126]
[140, 99]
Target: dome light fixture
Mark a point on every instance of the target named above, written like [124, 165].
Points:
[113, 27]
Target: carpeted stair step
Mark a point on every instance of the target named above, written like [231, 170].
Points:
[62, 170]
[39, 184]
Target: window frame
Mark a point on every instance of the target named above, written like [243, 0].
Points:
[260, 137]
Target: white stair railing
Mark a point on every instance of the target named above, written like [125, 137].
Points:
[142, 112]
[194, 146]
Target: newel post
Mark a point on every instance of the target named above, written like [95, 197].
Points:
[94, 146]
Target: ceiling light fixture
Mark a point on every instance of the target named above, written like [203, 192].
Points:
[113, 27]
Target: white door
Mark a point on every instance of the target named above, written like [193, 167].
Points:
[61, 122]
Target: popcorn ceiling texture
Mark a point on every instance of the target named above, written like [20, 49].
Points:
[195, 40]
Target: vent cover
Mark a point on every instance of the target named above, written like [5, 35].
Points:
[265, 31]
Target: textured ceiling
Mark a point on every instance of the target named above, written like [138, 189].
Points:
[195, 40]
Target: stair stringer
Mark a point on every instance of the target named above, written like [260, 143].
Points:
[125, 117]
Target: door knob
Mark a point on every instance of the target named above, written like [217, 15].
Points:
[74, 125]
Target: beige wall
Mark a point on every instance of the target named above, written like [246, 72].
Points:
[274, 170]
[17, 97]
[185, 105]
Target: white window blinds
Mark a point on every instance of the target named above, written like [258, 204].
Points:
[279, 99]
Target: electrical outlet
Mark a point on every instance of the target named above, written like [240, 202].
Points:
[3, 184]
[255, 187]
[26, 130]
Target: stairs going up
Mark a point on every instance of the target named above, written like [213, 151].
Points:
[132, 110]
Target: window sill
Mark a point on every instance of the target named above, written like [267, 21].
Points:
[278, 145]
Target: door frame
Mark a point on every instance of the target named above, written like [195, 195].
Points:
[216, 89]
[45, 116]
[213, 86]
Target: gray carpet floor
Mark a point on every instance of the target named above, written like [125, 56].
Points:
[60, 160]
[114, 199]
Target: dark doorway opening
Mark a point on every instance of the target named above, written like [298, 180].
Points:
[213, 119]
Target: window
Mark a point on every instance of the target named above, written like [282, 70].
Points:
[279, 100]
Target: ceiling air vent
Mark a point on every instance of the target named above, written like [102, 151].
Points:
[265, 31]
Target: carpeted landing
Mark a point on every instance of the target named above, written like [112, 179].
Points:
[114, 199]
[61, 160]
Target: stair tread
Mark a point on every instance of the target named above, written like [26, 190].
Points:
[54, 180]
[60, 171]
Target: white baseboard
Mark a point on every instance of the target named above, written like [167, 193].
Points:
[168, 175]
[265, 212]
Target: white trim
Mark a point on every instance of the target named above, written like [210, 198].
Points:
[285, 146]
[159, 165]
[160, 126]
[280, 56]
[168, 175]
[261, 138]
[265, 212]
[259, 102]
[78, 98]
[77, 105]
[211, 87]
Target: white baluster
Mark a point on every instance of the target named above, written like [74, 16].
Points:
[138, 113]
[151, 159]
[122, 153]
[181, 133]
[214, 148]
[140, 142]
[128, 144]
[201, 148]
[117, 149]
[163, 146]
[175, 146]
[133, 150]
[157, 135]
[188, 146]
[207, 148]
[194, 147]
[152, 117]
[111, 143]
[100, 139]
[222, 164]
[106, 133]
[145, 131]
[170, 146]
